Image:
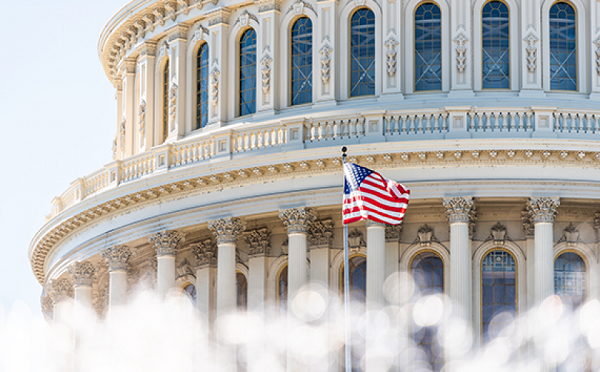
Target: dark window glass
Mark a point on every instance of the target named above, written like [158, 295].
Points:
[247, 87]
[570, 278]
[202, 86]
[301, 61]
[362, 53]
[428, 48]
[282, 287]
[495, 37]
[427, 269]
[241, 291]
[190, 291]
[165, 92]
[563, 47]
[498, 291]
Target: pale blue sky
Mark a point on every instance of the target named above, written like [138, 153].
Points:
[57, 121]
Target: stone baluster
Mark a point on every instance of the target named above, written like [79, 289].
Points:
[166, 244]
[61, 291]
[117, 259]
[542, 211]
[206, 274]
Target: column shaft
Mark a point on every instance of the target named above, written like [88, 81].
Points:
[375, 266]
[257, 283]
[226, 281]
[460, 268]
[205, 292]
[297, 271]
[544, 262]
[165, 276]
[117, 288]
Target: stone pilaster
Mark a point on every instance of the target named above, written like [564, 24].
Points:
[83, 275]
[166, 244]
[258, 243]
[529, 232]
[393, 233]
[60, 291]
[117, 259]
[206, 275]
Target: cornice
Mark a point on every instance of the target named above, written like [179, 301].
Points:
[62, 227]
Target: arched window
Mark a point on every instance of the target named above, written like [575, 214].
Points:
[241, 285]
[563, 47]
[302, 61]
[165, 108]
[427, 270]
[498, 290]
[362, 53]
[495, 43]
[190, 291]
[202, 86]
[428, 47]
[247, 87]
[282, 288]
[358, 296]
[570, 282]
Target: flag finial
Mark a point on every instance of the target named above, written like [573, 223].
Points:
[344, 149]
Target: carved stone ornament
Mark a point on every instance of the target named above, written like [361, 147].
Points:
[142, 115]
[543, 209]
[268, 5]
[425, 235]
[527, 221]
[297, 220]
[227, 230]
[320, 233]
[218, 16]
[184, 268]
[498, 233]
[166, 242]
[570, 235]
[199, 33]
[205, 253]
[244, 18]
[149, 19]
[531, 40]
[171, 10]
[214, 75]
[60, 290]
[597, 226]
[47, 307]
[459, 209]
[393, 233]
[597, 45]
[325, 53]
[265, 62]
[164, 50]
[285, 246]
[122, 127]
[117, 257]
[82, 273]
[356, 240]
[114, 149]
[173, 100]
[461, 52]
[298, 7]
[258, 241]
[390, 44]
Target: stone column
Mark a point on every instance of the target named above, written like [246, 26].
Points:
[460, 212]
[259, 246]
[542, 211]
[60, 291]
[226, 230]
[116, 258]
[297, 221]
[529, 232]
[166, 244]
[206, 275]
[392, 257]
[83, 275]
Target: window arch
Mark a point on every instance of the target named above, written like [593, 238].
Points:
[495, 44]
[247, 77]
[563, 47]
[362, 53]
[301, 68]
[241, 286]
[570, 278]
[190, 291]
[427, 270]
[282, 288]
[202, 82]
[428, 47]
[165, 103]
[498, 290]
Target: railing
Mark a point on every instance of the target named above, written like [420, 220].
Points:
[459, 122]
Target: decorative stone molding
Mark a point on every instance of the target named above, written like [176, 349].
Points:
[101, 302]
[265, 62]
[47, 307]
[171, 10]
[393, 233]
[218, 16]
[297, 220]
[114, 148]
[597, 45]
[117, 257]
[227, 230]
[205, 253]
[570, 235]
[285, 246]
[320, 233]
[150, 20]
[391, 43]
[122, 131]
[244, 18]
[298, 7]
[268, 5]
[461, 52]
[60, 290]
[83, 273]
[531, 49]
[214, 74]
[199, 34]
[325, 53]
[498, 234]
[142, 115]
[459, 209]
[356, 240]
[173, 100]
[425, 236]
[184, 268]
[166, 242]
[258, 241]
[543, 209]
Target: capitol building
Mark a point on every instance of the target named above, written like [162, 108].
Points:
[225, 182]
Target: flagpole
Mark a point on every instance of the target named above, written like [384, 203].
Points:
[348, 350]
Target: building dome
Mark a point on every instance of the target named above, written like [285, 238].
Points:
[226, 172]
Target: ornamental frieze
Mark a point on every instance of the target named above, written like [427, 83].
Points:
[543, 209]
[258, 242]
[459, 209]
[320, 233]
[166, 242]
[205, 253]
[82, 273]
[227, 230]
[117, 257]
[297, 220]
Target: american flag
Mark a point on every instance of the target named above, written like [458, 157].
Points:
[367, 195]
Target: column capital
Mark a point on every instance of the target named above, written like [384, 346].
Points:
[227, 230]
[370, 223]
[205, 253]
[116, 257]
[393, 233]
[320, 233]
[543, 209]
[258, 241]
[83, 273]
[527, 221]
[148, 49]
[460, 209]
[297, 220]
[60, 289]
[166, 242]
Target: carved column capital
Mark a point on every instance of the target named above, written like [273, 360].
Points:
[227, 230]
[393, 233]
[527, 221]
[370, 223]
[320, 232]
[297, 220]
[258, 241]
[205, 253]
[60, 290]
[116, 257]
[166, 242]
[543, 209]
[459, 209]
[82, 273]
